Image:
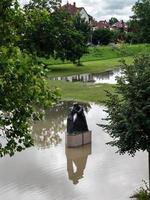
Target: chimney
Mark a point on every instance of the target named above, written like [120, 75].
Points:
[74, 4]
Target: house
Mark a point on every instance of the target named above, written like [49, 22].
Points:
[103, 25]
[73, 10]
[100, 25]
[120, 25]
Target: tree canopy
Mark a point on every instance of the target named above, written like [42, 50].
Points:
[113, 20]
[56, 33]
[23, 91]
[141, 20]
[129, 108]
[41, 28]
[23, 87]
[102, 36]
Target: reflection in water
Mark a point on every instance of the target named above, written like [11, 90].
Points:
[76, 162]
[49, 131]
[46, 138]
[41, 174]
[103, 77]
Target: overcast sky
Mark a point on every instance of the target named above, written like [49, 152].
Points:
[104, 9]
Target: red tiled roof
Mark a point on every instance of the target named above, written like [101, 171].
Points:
[100, 24]
[119, 24]
[72, 9]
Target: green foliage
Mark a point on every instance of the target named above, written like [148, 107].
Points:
[119, 36]
[83, 27]
[49, 5]
[55, 34]
[10, 21]
[133, 25]
[82, 92]
[23, 90]
[71, 41]
[129, 108]
[23, 87]
[131, 37]
[104, 52]
[38, 34]
[113, 20]
[40, 28]
[143, 193]
[102, 36]
[141, 19]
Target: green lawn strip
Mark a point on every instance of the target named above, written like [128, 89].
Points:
[88, 67]
[115, 51]
[106, 52]
[82, 92]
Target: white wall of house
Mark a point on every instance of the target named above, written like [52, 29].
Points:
[84, 15]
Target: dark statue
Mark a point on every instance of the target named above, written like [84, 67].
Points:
[76, 121]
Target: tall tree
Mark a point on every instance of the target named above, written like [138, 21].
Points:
[129, 108]
[54, 34]
[23, 87]
[113, 20]
[141, 11]
[71, 39]
[83, 27]
[40, 28]
[102, 36]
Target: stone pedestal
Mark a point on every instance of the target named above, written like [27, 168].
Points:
[80, 139]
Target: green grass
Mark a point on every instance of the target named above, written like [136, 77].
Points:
[107, 52]
[81, 91]
[98, 60]
[88, 67]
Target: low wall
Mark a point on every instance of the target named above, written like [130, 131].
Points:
[77, 140]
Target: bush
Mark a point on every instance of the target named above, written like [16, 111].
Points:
[131, 38]
[102, 36]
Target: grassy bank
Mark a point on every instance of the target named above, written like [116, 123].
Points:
[82, 91]
[107, 52]
[98, 60]
[88, 67]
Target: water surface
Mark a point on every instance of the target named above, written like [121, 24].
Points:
[108, 77]
[50, 171]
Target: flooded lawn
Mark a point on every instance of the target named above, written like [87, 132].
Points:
[50, 171]
[95, 78]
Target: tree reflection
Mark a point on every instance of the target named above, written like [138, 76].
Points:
[49, 131]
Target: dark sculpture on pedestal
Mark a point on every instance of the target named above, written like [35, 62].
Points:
[76, 121]
[77, 129]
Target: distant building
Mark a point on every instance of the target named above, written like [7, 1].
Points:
[100, 25]
[120, 25]
[73, 10]
[103, 24]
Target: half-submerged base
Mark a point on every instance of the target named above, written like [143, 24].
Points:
[80, 139]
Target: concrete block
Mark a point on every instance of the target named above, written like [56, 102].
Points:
[78, 140]
[87, 137]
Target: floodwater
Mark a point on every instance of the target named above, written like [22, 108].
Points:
[50, 171]
[108, 77]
